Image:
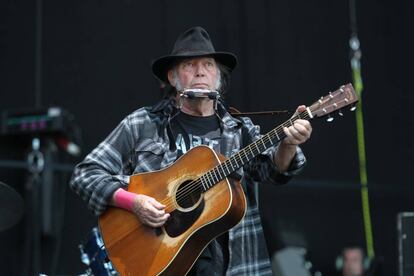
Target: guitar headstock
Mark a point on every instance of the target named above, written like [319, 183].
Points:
[336, 100]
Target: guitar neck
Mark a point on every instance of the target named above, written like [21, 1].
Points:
[239, 159]
[342, 97]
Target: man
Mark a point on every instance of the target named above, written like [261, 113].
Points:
[353, 261]
[152, 138]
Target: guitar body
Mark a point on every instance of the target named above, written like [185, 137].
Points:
[196, 219]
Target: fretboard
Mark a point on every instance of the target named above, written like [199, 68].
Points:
[236, 161]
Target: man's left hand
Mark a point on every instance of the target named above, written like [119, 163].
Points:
[296, 134]
[299, 132]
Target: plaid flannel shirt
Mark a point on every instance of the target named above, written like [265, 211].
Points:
[142, 142]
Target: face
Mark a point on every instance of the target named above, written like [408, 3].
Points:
[199, 73]
[353, 262]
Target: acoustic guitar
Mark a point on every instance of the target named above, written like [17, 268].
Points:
[201, 197]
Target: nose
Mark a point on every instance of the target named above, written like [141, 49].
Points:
[199, 70]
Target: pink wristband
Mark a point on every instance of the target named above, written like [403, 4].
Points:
[124, 199]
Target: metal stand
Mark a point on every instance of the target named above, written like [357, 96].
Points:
[33, 250]
[45, 200]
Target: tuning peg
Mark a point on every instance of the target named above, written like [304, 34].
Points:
[329, 119]
[353, 108]
[340, 113]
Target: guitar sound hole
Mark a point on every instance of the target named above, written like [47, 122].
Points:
[188, 194]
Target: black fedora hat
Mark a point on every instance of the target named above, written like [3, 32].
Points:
[194, 42]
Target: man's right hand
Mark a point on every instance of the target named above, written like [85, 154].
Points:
[150, 211]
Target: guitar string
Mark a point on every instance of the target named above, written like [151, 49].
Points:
[268, 134]
[197, 183]
[194, 185]
[229, 162]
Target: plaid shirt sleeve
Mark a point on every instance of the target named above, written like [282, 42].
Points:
[263, 168]
[105, 169]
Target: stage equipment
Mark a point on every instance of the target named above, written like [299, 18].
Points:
[11, 207]
[54, 122]
[290, 261]
[405, 228]
[35, 121]
[46, 137]
[93, 254]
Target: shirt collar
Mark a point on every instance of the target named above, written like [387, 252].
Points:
[225, 116]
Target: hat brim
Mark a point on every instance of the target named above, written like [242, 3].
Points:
[161, 65]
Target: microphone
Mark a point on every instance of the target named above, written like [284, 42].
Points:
[200, 93]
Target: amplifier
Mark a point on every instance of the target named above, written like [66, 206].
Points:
[405, 228]
[35, 121]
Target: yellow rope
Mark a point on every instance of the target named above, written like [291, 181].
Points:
[356, 72]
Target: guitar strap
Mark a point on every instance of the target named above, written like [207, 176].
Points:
[235, 112]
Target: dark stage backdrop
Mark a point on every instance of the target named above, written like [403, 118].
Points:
[96, 63]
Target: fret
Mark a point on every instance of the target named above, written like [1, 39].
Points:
[270, 140]
[243, 153]
[231, 164]
[227, 166]
[220, 176]
[238, 159]
[264, 145]
[277, 134]
[208, 183]
[202, 182]
[222, 172]
[236, 165]
[217, 171]
[250, 148]
[215, 176]
[246, 155]
[209, 179]
[243, 157]
[257, 147]
[235, 161]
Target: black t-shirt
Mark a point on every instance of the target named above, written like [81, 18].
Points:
[191, 131]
